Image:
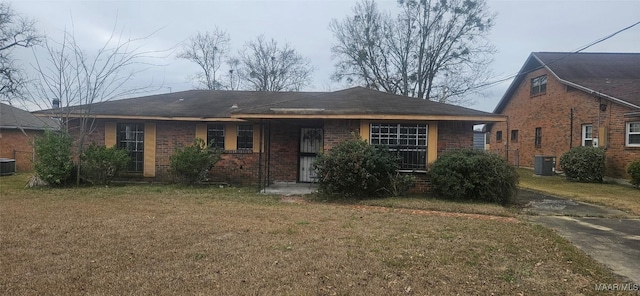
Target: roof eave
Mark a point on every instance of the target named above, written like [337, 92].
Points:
[597, 93]
[474, 118]
[141, 117]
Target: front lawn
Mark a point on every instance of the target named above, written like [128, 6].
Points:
[166, 240]
[616, 196]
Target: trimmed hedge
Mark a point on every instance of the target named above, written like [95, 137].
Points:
[583, 164]
[634, 171]
[474, 175]
[355, 169]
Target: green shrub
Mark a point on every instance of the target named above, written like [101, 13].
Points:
[474, 175]
[101, 164]
[53, 162]
[583, 164]
[354, 168]
[634, 171]
[191, 164]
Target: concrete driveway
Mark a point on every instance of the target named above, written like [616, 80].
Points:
[609, 236]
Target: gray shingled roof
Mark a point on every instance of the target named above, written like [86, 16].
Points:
[360, 101]
[205, 104]
[615, 76]
[14, 118]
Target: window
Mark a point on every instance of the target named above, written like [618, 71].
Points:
[215, 135]
[538, 137]
[130, 137]
[587, 135]
[245, 137]
[633, 134]
[499, 136]
[514, 136]
[408, 141]
[539, 85]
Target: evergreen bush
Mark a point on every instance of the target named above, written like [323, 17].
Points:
[53, 161]
[474, 175]
[634, 171]
[191, 164]
[583, 164]
[355, 169]
[101, 164]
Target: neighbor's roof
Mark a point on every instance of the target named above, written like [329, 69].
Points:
[613, 76]
[206, 105]
[14, 118]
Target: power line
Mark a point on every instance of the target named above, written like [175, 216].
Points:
[582, 48]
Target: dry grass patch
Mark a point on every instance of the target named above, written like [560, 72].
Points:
[163, 240]
[616, 196]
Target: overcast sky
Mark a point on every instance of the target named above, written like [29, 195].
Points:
[521, 27]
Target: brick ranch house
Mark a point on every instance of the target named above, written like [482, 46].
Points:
[18, 128]
[562, 100]
[271, 137]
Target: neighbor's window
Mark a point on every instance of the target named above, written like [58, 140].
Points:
[539, 85]
[245, 137]
[633, 134]
[408, 141]
[514, 136]
[538, 137]
[587, 135]
[499, 136]
[215, 135]
[130, 137]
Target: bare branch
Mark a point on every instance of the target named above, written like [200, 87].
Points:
[431, 49]
[264, 66]
[208, 51]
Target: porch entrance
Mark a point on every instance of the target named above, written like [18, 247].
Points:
[311, 141]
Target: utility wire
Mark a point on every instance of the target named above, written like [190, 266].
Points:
[582, 48]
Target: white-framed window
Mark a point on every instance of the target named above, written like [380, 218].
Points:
[538, 137]
[408, 141]
[539, 85]
[632, 135]
[587, 135]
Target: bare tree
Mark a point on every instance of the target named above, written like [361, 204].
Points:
[266, 67]
[233, 74]
[78, 79]
[432, 49]
[208, 51]
[15, 31]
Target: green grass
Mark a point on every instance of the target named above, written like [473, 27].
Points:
[612, 195]
[169, 240]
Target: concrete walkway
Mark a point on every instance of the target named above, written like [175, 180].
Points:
[289, 189]
[611, 237]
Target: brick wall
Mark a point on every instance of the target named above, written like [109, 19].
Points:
[336, 131]
[551, 111]
[17, 145]
[171, 135]
[454, 135]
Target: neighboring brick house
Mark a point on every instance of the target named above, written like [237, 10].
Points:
[562, 100]
[271, 137]
[18, 128]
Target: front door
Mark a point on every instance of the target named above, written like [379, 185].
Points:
[310, 145]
